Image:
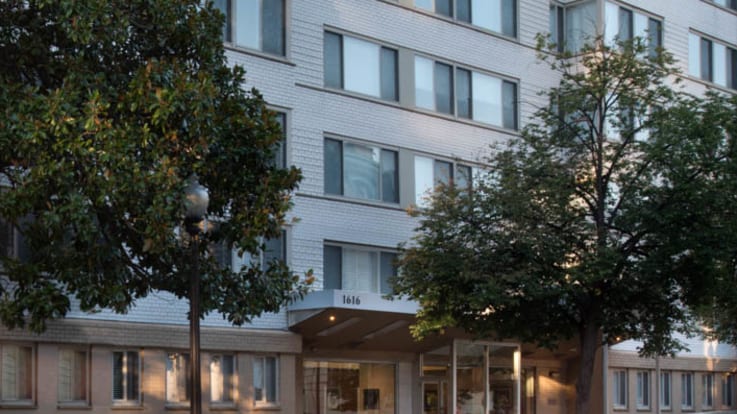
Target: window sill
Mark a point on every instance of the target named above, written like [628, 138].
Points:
[719, 6]
[74, 405]
[267, 407]
[176, 406]
[18, 405]
[257, 53]
[711, 85]
[223, 406]
[137, 406]
[356, 201]
[457, 22]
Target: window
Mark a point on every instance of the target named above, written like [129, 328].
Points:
[360, 66]
[177, 378]
[265, 380]
[431, 172]
[687, 390]
[471, 95]
[499, 16]
[280, 154]
[643, 389]
[619, 391]
[728, 390]
[665, 390]
[222, 379]
[333, 387]
[72, 377]
[732, 4]
[573, 26]
[273, 249]
[12, 242]
[254, 24]
[624, 24]
[707, 390]
[16, 374]
[360, 269]
[712, 61]
[126, 385]
[361, 171]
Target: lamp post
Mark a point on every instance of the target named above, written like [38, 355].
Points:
[196, 203]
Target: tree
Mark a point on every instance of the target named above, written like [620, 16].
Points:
[610, 216]
[108, 107]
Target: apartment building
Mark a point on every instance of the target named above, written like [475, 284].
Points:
[379, 100]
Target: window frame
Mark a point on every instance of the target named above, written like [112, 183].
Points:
[420, 199]
[703, 57]
[642, 400]
[264, 402]
[29, 375]
[329, 166]
[560, 36]
[125, 402]
[378, 277]
[620, 383]
[707, 390]
[454, 15]
[687, 391]
[462, 83]
[666, 387]
[231, 22]
[388, 87]
[233, 392]
[85, 401]
[186, 371]
[728, 390]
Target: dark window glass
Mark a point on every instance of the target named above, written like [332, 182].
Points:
[732, 68]
[509, 17]
[280, 153]
[443, 172]
[462, 177]
[443, 7]
[463, 93]
[389, 176]
[654, 36]
[463, 10]
[333, 167]
[388, 270]
[388, 74]
[509, 105]
[275, 249]
[224, 6]
[331, 264]
[333, 60]
[706, 60]
[272, 23]
[625, 24]
[7, 247]
[443, 80]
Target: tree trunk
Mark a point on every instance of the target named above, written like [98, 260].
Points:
[589, 342]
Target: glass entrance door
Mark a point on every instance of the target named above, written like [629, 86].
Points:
[435, 397]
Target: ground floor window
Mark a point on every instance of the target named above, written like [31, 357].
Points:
[16, 374]
[332, 387]
[72, 377]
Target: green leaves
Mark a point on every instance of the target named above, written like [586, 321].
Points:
[107, 108]
[614, 211]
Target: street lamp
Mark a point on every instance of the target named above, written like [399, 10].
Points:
[196, 201]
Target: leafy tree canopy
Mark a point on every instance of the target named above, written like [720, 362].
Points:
[611, 216]
[107, 108]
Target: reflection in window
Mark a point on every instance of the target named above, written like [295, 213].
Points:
[360, 66]
[254, 24]
[349, 387]
[358, 269]
[361, 171]
[470, 378]
[266, 380]
[222, 378]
